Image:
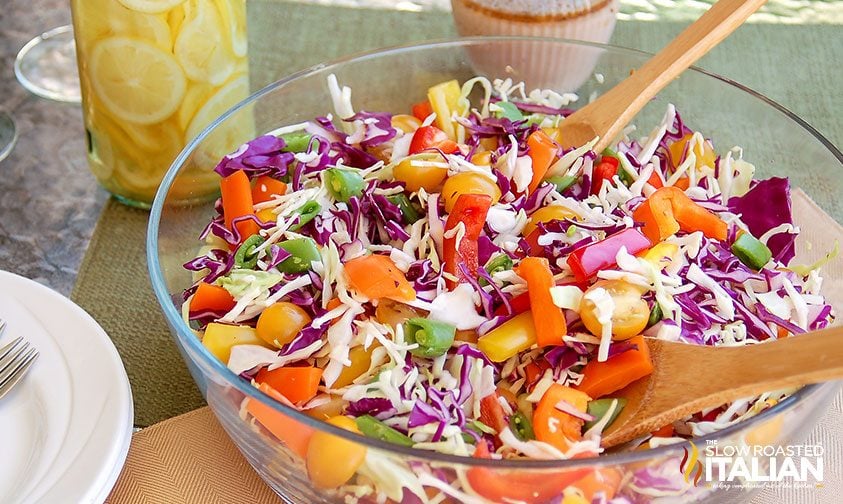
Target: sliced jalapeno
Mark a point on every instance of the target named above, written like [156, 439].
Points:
[306, 214]
[296, 142]
[303, 252]
[343, 183]
[562, 182]
[599, 407]
[408, 211]
[374, 428]
[245, 256]
[434, 338]
[520, 425]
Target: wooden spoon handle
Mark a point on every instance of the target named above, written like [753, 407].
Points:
[786, 363]
[620, 104]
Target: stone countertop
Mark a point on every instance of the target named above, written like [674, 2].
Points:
[49, 201]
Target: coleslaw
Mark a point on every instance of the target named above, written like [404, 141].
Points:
[454, 280]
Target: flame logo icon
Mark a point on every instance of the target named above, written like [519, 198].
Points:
[690, 464]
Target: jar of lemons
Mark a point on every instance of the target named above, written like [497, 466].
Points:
[153, 74]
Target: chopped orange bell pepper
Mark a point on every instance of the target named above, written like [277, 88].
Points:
[297, 384]
[237, 202]
[554, 426]
[669, 209]
[376, 276]
[292, 433]
[542, 151]
[603, 378]
[548, 318]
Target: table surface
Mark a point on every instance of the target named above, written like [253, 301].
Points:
[50, 202]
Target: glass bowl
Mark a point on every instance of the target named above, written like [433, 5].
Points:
[774, 139]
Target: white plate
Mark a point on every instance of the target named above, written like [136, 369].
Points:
[65, 429]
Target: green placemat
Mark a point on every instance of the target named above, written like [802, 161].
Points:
[788, 63]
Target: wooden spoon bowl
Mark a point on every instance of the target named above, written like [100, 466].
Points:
[689, 378]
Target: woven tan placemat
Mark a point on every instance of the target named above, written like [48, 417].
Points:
[113, 286]
[186, 460]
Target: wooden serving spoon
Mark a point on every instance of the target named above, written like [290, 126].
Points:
[689, 378]
[613, 110]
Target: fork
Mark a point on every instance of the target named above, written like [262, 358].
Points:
[15, 360]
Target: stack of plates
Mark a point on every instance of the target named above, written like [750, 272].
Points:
[65, 429]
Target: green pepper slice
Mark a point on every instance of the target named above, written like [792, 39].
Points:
[751, 251]
[374, 428]
[296, 142]
[500, 262]
[520, 425]
[304, 251]
[343, 183]
[408, 211]
[245, 256]
[434, 338]
[625, 177]
[598, 409]
[307, 212]
[509, 111]
[562, 182]
[656, 315]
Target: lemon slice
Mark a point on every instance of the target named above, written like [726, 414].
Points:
[151, 6]
[230, 134]
[175, 19]
[233, 14]
[196, 96]
[201, 48]
[135, 80]
[105, 18]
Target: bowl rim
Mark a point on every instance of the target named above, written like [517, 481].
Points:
[183, 332]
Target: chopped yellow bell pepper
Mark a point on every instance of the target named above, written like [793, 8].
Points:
[661, 255]
[443, 100]
[515, 335]
[219, 338]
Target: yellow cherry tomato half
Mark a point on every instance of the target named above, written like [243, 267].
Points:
[468, 183]
[328, 409]
[280, 323]
[360, 360]
[393, 313]
[482, 158]
[547, 214]
[406, 123]
[426, 170]
[630, 315]
[331, 460]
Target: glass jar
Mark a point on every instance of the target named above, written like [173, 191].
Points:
[153, 74]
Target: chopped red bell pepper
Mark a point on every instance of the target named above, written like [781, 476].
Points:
[532, 239]
[534, 371]
[531, 487]
[605, 170]
[431, 137]
[587, 260]
[519, 304]
[491, 412]
[422, 109]
[470, 210]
